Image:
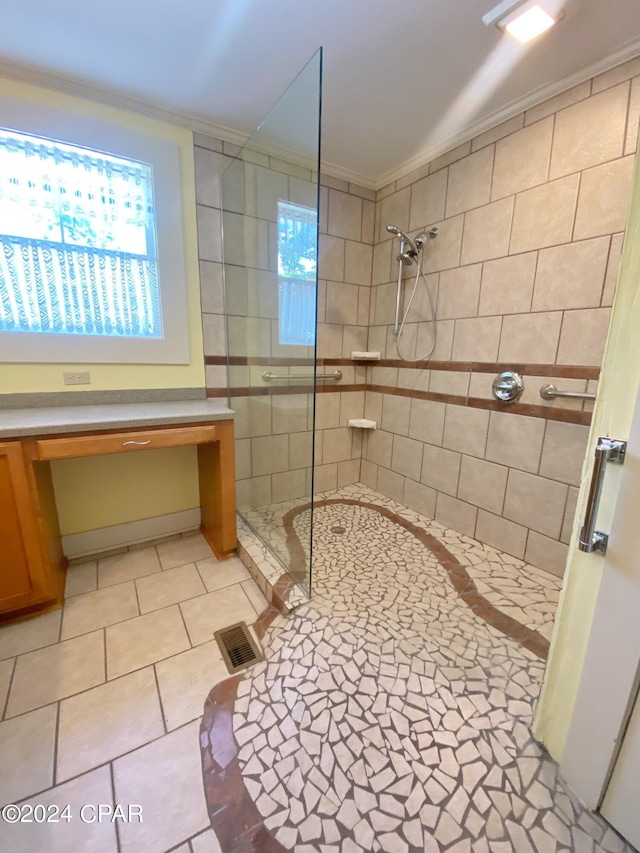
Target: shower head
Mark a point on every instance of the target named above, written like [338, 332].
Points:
[413, 247]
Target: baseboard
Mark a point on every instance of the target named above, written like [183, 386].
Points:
[120, 535]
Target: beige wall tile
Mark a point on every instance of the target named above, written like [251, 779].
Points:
[325, 478]
[390, 484]
[379, 447]
[329, 340]
[364, 305]
[357, 263]
[444, 252]
[327, 411]
[544, 215]
[243, 458]
[385, 376]
[345, 215]
[331, 262]
[563, 452]
[405, 457]
[394, 210]
[150, 777]
[458, 292]
[522, 159]
[515, 440]
[444, 340]
[533, 384]
[616, 75]
[209, 232]
[211, 287]
[336, 445]
[569, 515]
[482, 484]
[465, 430]
[385, 303]
[300, 449]
[214, 334]
[139, 642]
[253, 416]
[354, 338]
[262, 293]
[369, 474]
[440, 469]
[351, 406]
[383, 256]
[456, 514]
[583, 336]
[469, 183]
[604, 199]
[412, 177]
[480, 386]
[420, 498]
[427, 421]
[486, 231]
[535, 502]
[106, 722]
[348, 472]
[571, 276]
[169, 587]
[263, 189]
[530, 338]
[505, 129]
[183, 551]
[507, 284]
[613, 268]
[368, 221]
[27, 747]
[477, 339]
[253, 492]
[501, 533]
[395, 414]
[559, 102]
[290, 412]
[546, 553]
[449, 382]
[269, 454]
[34, 633]
[590, 132]
[451, 156]
[428, 198]
[49, 674]
[631, 140]
[86, 613]
[414, 380]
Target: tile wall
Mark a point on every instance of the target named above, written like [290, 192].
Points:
[531, 218]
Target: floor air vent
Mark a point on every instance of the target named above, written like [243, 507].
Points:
[238, 647]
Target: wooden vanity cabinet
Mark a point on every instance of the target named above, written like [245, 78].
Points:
[25, 577]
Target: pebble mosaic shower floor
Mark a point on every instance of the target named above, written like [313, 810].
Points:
[393, 709]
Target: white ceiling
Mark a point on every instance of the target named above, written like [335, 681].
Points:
[402, 81]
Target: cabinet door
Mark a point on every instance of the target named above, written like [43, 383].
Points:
[19, 555]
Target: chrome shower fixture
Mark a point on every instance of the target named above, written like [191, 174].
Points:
[415, 244]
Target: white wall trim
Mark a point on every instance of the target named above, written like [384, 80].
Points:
[120, 535]
[110, 97]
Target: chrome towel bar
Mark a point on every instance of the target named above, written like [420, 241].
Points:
[607, 450]
[268, 376]
[550, 392]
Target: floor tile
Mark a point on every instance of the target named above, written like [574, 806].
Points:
[184, 551]
[128, 566]
[107, 722]
[70, 836]
[185, 681]
[158, 777]
[219, 573]
[29, 634]
[170, 587]
[206, 843]
[142, 641]
[56, 672]
[85, 613]
[26, 755]
[6, 671]
[81, 578]
[216, 610]
[254, 595]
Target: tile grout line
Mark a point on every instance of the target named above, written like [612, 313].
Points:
[113, 794]
[56, 738]
[162, 712]
[10, 685]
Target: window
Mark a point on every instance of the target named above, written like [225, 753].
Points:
[297, 265]
[77, 241]
[92, 258]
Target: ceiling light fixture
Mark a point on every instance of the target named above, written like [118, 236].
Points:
[524, 20]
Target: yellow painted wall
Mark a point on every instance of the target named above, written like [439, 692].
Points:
[91, 493]
[613, 413]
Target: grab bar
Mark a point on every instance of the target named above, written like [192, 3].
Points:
[607, 450]
[550, 392]
[335, 377]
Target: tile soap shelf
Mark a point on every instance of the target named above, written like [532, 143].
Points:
[365, 356]
[361, 423]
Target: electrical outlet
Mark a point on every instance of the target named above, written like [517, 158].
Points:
[80, 377]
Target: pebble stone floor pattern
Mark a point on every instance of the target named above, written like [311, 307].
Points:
[387, 715]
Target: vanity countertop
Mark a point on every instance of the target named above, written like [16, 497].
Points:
[61, 419]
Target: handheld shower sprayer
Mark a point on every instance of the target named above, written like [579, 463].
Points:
[408, 256]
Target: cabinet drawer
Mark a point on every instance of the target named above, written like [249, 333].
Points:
[123, 442]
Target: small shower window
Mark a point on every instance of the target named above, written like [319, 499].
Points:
[297, 266]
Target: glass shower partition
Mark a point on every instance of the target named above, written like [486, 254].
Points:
[270, 203]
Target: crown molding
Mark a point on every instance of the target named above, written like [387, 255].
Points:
[543, 93]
